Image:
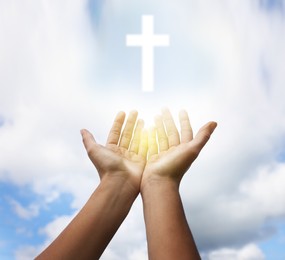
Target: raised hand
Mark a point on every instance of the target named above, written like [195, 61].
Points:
[120, 164]
[171, 157]
[124, 155]
[168, 233]
[123, 171]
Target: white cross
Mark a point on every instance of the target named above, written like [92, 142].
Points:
[147, 40]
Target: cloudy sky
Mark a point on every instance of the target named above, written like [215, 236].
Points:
[64, 65]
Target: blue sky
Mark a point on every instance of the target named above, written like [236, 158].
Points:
[270, 5]
[65, 66]
[19, 229]
[274, 248]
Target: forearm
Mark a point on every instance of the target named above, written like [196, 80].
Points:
[87, 236]
[168, 233]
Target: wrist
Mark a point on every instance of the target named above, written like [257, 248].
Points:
[155, 183]
[120, 183]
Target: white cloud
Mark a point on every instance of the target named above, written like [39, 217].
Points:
[26, 253]
[240, 215]
[50, 231]
[139, 254]
[248, 252]
[267, 190]
[54, 228]
[130, 240]
[28, 212]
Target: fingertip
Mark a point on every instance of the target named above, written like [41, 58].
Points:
[86, 135]
[134, 112]
[157, 118]
[141, 122]
[183, 114]
[121, 114]
[182, 111]
[164, 110]
[213, 126]
[120, 117]
[84, 132]
[166, 114]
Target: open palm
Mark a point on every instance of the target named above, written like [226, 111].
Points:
[175, 156]
[124, 155]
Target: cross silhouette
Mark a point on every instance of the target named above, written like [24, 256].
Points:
[147, 41]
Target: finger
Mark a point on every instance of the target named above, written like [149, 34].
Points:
[128, 130]
[88, 140]
[161, 135]
[152, 144]
[172, 133]
[186, 129]
[115, 131]
[203, 136]
[143, 147]
[134, 147]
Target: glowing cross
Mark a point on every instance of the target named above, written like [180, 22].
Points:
[147, 40]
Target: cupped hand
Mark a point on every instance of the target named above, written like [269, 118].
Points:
[124, 155]
[171, 157]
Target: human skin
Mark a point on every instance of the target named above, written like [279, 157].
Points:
[124, 172]
[120, 164]
[168, 233]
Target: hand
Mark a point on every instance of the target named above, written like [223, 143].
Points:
[120, 165]
[174, 156]
[124, 155]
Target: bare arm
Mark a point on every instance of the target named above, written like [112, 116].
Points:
[120, 165]
[168, 233]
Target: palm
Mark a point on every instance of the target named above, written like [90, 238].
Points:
[125, 152]
[175, 155]
[172, 162]
[115, 157]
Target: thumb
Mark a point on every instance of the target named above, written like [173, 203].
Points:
[88, 140]
[203, 135]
